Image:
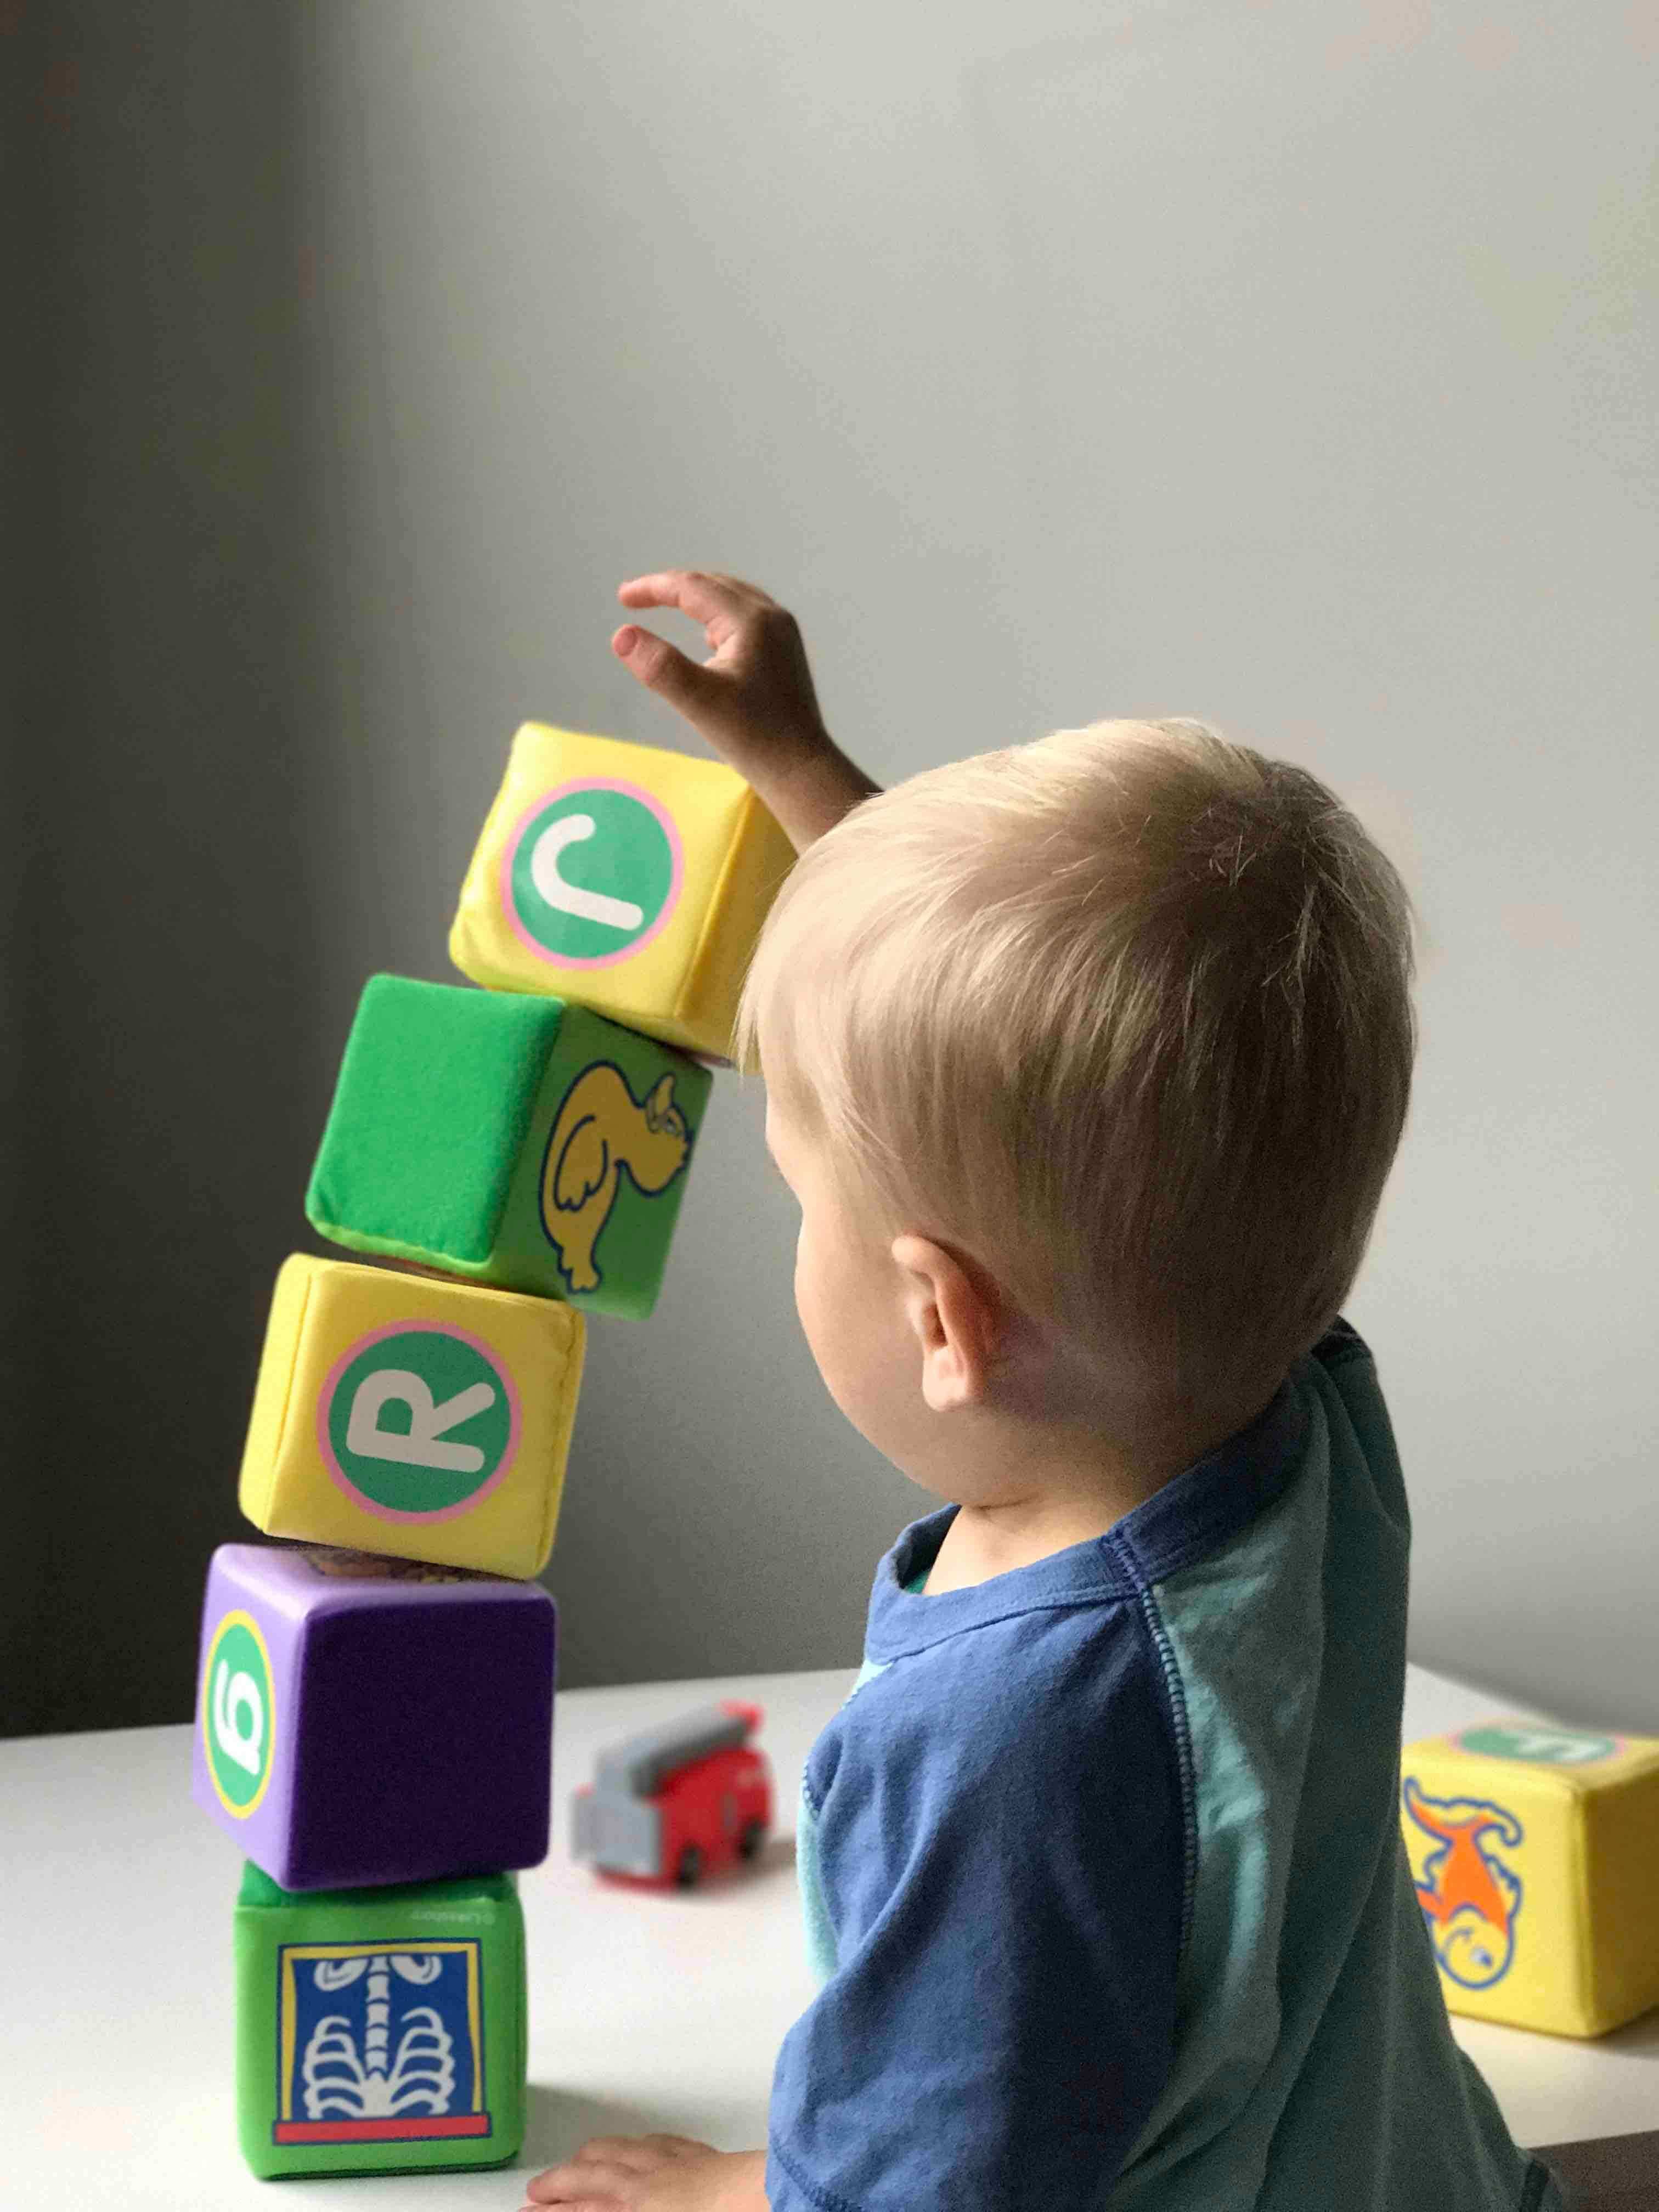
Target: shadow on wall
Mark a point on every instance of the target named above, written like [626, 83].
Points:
[175, 1081]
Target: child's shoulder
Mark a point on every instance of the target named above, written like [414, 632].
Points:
[1341, 1341]
[1053, 1660]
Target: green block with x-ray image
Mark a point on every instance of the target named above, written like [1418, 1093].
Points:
[524, 1142]
[379, 2031]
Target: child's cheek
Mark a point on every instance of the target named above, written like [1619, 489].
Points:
[805, 1298]
[815, 1302]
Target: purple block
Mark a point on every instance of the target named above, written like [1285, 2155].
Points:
[362, 1721]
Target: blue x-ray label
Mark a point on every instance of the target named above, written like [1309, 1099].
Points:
[379, 2044]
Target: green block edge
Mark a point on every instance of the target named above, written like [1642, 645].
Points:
[638, 1229]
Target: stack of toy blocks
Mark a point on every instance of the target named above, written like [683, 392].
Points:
[376, 1695]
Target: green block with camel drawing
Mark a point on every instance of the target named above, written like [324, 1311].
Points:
[521, 1142]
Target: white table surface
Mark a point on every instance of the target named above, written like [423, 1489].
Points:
[652, 2010]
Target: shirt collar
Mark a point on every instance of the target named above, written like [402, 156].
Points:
[1194, 1513]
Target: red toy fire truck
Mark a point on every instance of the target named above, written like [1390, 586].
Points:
[677, 1802]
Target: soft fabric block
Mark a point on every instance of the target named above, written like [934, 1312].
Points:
[631, 879]
[522, 1142]
[398, 1414]
[364, 1720]
[379, 2031]
[1534, 1852]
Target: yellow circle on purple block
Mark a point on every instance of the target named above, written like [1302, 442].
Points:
[239, 1714]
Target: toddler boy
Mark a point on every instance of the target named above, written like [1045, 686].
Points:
[1086, 1062]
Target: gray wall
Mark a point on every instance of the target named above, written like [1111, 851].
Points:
[23, 1515]
[1286, 364]
[176, 961]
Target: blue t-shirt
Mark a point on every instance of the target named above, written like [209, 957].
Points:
[1102, 1874]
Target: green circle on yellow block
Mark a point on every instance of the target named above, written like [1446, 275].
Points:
[1539, 1747]
[422, 1420]
[591, 875]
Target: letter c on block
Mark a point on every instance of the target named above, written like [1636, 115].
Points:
[571, 898]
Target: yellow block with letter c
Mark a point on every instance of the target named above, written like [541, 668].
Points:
[624, 877]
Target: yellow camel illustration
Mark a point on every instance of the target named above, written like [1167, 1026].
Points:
[601, 1129]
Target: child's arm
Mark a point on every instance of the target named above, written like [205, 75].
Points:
[752, 699]
[997, 1836]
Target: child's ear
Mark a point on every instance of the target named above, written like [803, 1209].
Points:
[956, 1314]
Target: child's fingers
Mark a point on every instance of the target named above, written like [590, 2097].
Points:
[715, 601]
[633, 2154]
[581, 2186]
[663, 669]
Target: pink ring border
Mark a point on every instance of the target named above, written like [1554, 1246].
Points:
[654, 806]
[326, 1400]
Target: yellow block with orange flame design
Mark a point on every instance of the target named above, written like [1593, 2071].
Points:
[1535, 1853]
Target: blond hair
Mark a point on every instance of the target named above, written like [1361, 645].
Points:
[1125, 1015]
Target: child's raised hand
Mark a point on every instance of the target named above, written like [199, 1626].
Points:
[752, 699]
